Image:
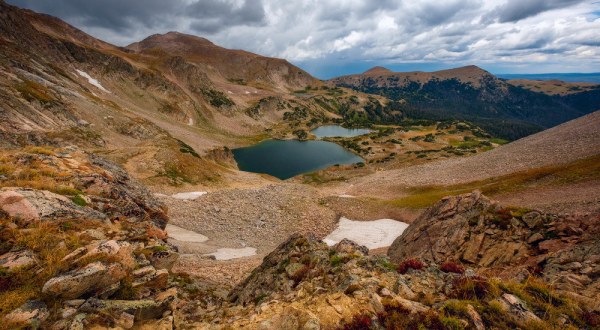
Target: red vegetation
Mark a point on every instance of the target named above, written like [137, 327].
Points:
[452, 267]
[359, 322]
[407, 264]
[590, 318]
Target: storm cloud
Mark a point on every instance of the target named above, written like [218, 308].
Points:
[329, 37]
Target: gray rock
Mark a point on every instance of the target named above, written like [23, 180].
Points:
[91, 278]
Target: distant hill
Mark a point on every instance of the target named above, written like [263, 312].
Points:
[471, 93]
[569, 77]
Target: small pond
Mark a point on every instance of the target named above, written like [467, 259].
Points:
[287, 158]
[338, 131]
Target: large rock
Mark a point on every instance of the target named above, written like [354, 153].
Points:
[478, 231]
[31, 204]
[92, 278]
[17, 259]
[30, 314]
[140, 309]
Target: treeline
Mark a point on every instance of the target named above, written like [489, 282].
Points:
[503, 110]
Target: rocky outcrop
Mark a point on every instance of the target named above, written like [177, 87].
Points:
[304, 284]
[31, 314]
[473, 229]
[27, 204]
[91, 278]
[92, 251]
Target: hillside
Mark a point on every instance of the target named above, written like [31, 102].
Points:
[535, 171]
[122, 206]
[144, 105]
[471, 93]
[235, 66]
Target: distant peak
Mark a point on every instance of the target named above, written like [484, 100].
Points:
[378, 69]
[472, 68]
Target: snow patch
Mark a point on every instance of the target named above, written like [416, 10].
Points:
[92, 81]
[372, 234]
[228, 253]
[346, 196]
[230, 92]
[184, 235]
[188, 196]
[246, 92]
[190, 121]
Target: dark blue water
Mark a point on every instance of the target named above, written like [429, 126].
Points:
[338, 131]
[287, 158]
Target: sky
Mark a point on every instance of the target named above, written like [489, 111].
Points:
[329, 38]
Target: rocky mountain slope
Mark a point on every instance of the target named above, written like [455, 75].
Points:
[305, 284]
[472, 93]
[59, 86]
[575, 140]
[235, 66]
[79, 239]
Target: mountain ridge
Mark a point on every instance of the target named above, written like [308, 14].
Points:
[474, 94]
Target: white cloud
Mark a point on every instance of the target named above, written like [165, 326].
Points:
[553, 35]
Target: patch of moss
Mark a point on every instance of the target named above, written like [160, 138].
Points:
[77, 199]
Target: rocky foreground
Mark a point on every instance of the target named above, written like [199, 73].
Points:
[82, 245]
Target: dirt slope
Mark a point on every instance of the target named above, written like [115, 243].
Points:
[576, 139]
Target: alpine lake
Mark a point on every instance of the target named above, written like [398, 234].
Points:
[287, 158]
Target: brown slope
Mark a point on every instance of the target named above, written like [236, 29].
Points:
[571, 141]
[234, 65]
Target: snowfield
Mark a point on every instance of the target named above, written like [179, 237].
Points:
[372, 234]
[184, 235]
[188, 196]
[92, 81]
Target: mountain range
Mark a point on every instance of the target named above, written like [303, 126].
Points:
[471, 93]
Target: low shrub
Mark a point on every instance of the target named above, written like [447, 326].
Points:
[359, 322]
[470, 287]
[452, 267]
[407, 264]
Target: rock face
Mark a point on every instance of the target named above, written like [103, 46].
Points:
[473, 229]
[93, 246]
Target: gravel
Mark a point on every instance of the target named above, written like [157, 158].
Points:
[257, 217]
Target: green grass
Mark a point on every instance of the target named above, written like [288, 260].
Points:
[585, 169]
[499, 141]
[77, 199]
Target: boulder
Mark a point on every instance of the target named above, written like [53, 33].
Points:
[517, 308]
[32, 313]
[17, 259]
[32, 204]
[163, 256]
[349, 247]
[91, 278]
[140, 309]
